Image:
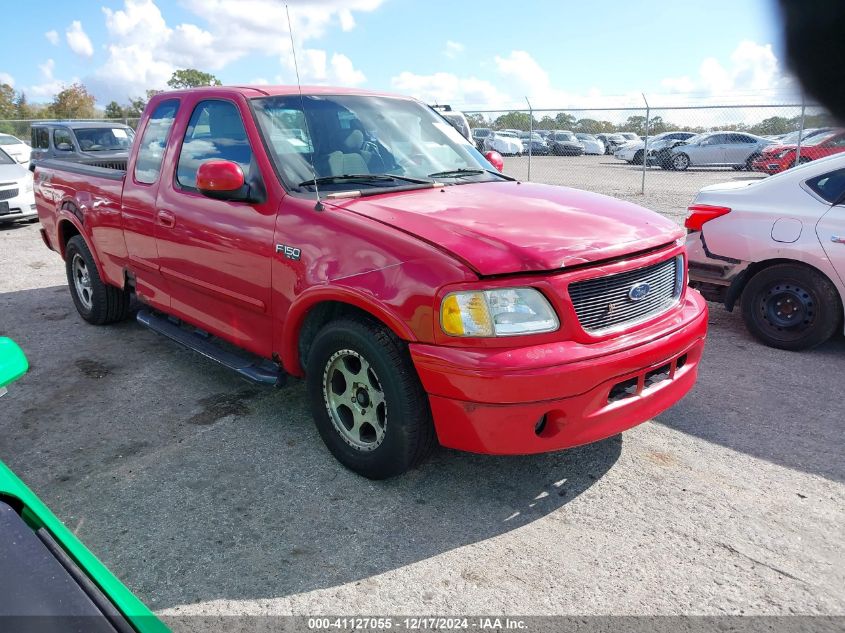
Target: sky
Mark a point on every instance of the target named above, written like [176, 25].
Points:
[491, 55]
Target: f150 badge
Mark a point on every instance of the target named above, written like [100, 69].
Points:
[290, 252]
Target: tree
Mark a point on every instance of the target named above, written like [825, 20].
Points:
[564, 121]
[114, 110]
[22, 108]
[137, 104]
[513, 120]
[192, 78]
[7, 102]
[635, 124]
[477, 120]
[74, 102]
[546, 123]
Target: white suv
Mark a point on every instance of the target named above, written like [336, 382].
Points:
[777, 246]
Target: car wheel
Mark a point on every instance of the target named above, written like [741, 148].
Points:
[680, 162]
[749, 163]
[367, 400]
[638, 158]
[96, 301]
[790, 306]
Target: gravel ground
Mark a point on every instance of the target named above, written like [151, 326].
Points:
[209, 496]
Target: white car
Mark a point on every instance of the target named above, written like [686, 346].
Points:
[777, 246]
[506, 143]
[15, 148]
[632, 151]
[591, 144]
[17, 202]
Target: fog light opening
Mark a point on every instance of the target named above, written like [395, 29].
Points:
[540, 426]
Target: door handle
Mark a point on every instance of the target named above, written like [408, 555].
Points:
[837, 239]
[166, 219]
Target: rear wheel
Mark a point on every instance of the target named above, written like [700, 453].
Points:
[96, 301]
[367, 400]
[790, 306]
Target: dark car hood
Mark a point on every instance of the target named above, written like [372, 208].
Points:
[509, 227]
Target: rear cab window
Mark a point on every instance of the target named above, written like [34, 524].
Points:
[153, 142]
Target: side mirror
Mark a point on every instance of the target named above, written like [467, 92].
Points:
[13, 363]
[221, 179]
[495, 159]
[64, 147]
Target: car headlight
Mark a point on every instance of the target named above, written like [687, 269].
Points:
[784, 153]
[500, 312]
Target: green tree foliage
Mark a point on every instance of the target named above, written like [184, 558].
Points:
[7, 102]
[564, 121]
[513, 120]
[114, 110]
[477, 119]
[74, 102]
[192, 78]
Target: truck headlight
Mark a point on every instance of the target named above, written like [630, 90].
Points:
[500, 312]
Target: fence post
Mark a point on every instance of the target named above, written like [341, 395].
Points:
[800, 131]
[645, 143]
[530, 134]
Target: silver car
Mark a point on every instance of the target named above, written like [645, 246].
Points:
[717, 149]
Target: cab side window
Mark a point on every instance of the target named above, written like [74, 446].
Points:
[40, 138]
[153, 143]
[62, 140]
[215, 131]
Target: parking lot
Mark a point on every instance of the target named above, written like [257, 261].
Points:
[207, 495]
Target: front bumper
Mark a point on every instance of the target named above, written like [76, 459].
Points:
[21, 207]
[771, 165]
[551, 397]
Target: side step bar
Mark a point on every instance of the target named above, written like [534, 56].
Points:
[252, 368]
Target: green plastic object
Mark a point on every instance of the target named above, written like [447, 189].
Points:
[13, 365]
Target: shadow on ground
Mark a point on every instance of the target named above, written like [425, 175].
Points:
[194, 485]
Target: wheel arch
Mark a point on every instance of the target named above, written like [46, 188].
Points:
[741, 280]
[68, 226]
[310, 313]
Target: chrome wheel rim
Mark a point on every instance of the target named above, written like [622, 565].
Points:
[82, 281]
[354, 398]
[680, 161]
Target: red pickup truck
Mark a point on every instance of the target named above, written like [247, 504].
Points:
[359, 241]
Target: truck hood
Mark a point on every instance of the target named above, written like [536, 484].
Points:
[509, 227]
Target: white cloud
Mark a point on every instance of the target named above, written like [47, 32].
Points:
[50, 86]
[344, 73]
[78, 40]
[52, 37]
[449, 88]
[6, 78]
[453, 49]
[144, 50]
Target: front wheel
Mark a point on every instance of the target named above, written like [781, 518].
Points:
[791, 307]
[96, 301]
[680, 162]
[368, 404]
[638, 158]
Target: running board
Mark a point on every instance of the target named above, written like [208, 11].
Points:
[252, 368]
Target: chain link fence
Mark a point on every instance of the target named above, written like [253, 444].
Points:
[659, 157]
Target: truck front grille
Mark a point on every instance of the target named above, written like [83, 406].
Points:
[623, 299]
[8, 194]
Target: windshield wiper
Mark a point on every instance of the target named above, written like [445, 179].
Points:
[456, 173]
[323, 180]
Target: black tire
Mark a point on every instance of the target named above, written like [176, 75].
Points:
[638, 158]
[791, 306]
[407, 432]
[749, 162]
[100, 303]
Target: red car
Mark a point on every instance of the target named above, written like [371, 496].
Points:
[358, 241]
[777, 158]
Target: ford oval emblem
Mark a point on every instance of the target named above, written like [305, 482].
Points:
[640, 291]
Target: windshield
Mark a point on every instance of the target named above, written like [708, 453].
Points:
[586, 137]
[507, 134]
[5, 159]
[565, 136]
[818, 139]
[630, 136]
[343, 135]
[103, 139]
[5, 139]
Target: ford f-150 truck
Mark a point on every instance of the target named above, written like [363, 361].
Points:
[357, 240]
